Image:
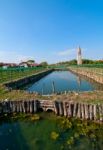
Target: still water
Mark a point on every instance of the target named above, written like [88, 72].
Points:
[63, 81]
[49, 133]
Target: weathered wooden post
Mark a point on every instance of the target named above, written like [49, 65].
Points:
[16, 106]
[82, 111]
[91, 112]
[13, 104]
[65, 109]
[31, 106]
[28, 106]
[79, 111]
[56, 107]
[61, 111]
[75, 110]
[86, 111]
[11, 107]
[5, 107]
[95, 112]
[70, 109]
[25, 106]
[35, 106]
[100, 113]
[53, 86]
[21, 106]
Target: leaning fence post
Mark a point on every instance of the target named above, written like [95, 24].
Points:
[53, 87]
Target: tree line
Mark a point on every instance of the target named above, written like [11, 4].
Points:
[85, 61]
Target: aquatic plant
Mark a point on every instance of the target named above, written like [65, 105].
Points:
[76, 135]
[70, 141]
[35, 117]
[54, 135]
[64, 123]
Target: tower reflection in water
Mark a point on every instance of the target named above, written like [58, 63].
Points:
[79, 80]
[96, 86]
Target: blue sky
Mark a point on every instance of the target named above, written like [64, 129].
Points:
[50, 30]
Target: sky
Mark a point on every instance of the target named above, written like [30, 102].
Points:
[50, 30]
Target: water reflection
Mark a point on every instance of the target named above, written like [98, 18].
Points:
[96, 85]
[79, 81]
[60, 81]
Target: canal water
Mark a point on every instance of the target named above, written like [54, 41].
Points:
[49, 133]
[60, 81]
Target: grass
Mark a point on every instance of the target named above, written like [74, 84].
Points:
[94, 70]
[8, 75]
[11, 74]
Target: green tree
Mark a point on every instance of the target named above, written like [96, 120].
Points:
[31, 61]
[44, 64]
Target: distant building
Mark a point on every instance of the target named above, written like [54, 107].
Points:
[23, 64]
[7, 65]
[26, 64]
[79, 56]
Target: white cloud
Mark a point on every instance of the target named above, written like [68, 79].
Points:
[66, 52]
[69, 52]
[12, 56]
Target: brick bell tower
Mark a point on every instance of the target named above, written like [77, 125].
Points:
[79, 56]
